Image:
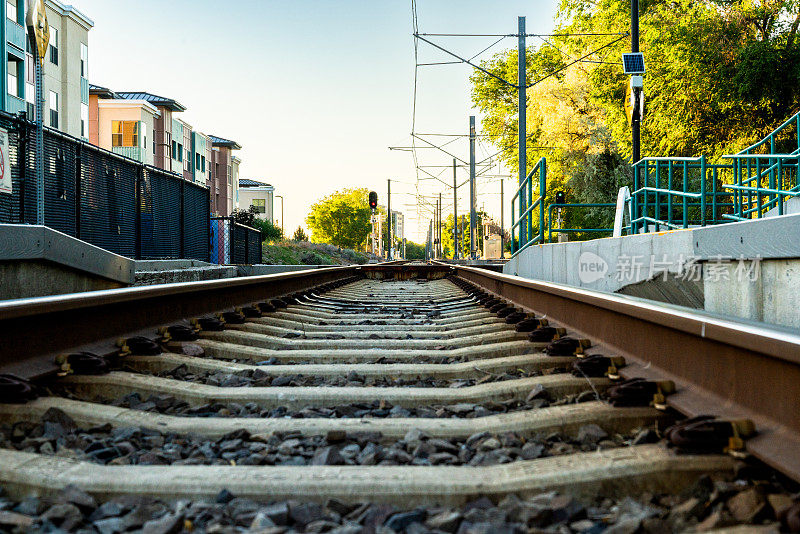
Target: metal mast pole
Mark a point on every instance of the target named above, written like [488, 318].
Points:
[389, 219]
[635, 119]
[522, 82]
[455, 215]
[39, 139]
[441, 244]
[502, 221]
[433, 231]
[472, 215]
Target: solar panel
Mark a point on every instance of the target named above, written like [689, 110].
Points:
[633, 63]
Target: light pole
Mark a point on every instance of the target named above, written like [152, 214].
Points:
[388, 219]
[282, 231]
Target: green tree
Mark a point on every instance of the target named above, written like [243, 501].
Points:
[269, 230]
[341, 218]
[244, 217]
[299, 234]
[414, 251]
[720, 75]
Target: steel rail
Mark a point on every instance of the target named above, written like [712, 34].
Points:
[34, 331]
[725, 367]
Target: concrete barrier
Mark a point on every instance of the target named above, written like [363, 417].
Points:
[747, 269]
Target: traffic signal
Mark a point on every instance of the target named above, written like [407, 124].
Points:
[373, 199]
[561, 197]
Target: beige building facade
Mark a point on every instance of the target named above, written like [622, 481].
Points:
[66, 71]
[125, 127]
[260, 195]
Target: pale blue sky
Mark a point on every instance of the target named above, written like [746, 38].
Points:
[314, 90]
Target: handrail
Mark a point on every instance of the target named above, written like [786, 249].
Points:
[550, 228]
[771, 136]
[522, 226]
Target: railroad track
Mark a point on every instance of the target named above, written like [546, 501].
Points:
[388, 398]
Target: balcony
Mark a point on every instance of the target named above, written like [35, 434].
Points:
[84, 90]
[133, 152]
[15, 104]
[15, 34]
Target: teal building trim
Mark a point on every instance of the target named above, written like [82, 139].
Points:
[13, 50]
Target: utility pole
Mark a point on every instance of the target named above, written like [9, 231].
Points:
[433, 231]
[283, 233]
[441, 244]
[38, 36]
[472, 214]
[502, 222]
[389, 219]
[455, 215]
[522, 83]
[636, 113]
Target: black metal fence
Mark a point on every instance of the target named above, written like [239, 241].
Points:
[234, 243]
[105, 199]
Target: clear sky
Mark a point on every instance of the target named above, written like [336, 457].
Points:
[315, 91]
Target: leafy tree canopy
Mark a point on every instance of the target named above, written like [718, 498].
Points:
[720, 75]
[341, 218]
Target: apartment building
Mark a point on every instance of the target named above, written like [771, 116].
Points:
[165, 152]
[66, 67]
[234, 202]
[222, 186]
[201, 150]
[122, 126]
[398, 228]
[259, 196]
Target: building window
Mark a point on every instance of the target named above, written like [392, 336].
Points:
[260, 205]
[125, 133]
[84, 61]
[203, 162]
[53, 109]
[229, 175]
[13, 81]
[84, 120]
[197, 161]
[11, 10]
[30, 70]
[174, 153]
[180, 152]
[53, 46]
[154, 141]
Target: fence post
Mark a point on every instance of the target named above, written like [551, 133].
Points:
[78, 164]
[138, 211]
[183, 221]
[22, 163]
[703, 190]
[209, 228]
[542, 193]
[247, 247]
[231, 242]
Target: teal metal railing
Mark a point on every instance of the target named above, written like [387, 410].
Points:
[673, 193]
[551, 219]
[766, 173]
[670, 193]
[522, 230]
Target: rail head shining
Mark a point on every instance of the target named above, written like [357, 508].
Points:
[726, 367]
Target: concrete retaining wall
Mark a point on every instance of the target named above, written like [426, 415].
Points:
[749, 269]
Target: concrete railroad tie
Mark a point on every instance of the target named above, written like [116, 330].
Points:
[429, 329]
